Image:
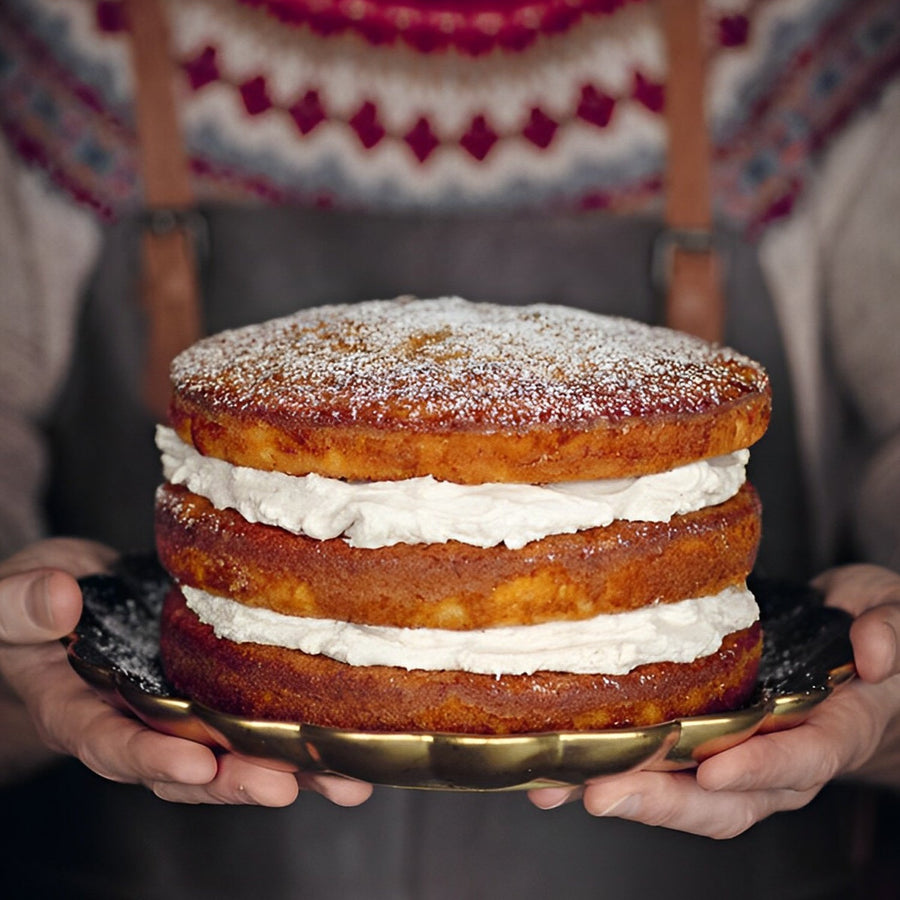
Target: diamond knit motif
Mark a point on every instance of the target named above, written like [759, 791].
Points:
[256, 99]
[202, 68]
[464, 103]
[596, 106]
[307, 112]
[366, 125]
[479, 139]
[421, 139]
[540, 129]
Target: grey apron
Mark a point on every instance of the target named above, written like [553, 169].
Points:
[100, 840]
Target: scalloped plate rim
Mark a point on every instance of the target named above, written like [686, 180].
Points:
[186, 718]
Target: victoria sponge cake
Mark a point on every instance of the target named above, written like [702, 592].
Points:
[437, 515]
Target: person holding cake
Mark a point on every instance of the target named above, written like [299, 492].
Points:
[512, 153]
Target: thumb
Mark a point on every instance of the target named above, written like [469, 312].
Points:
[876, 642]
[37, 606]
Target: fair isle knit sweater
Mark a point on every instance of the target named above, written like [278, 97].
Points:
[471, 104]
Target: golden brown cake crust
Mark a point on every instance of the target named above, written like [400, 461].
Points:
[287, 685]
[623, 566]
[465, 392]
[468, 393]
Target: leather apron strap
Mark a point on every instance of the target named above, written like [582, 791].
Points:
[169, 279]
[686, 258]
[685, 255]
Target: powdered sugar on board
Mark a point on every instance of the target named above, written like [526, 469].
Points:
[451, 363]
[119, 627]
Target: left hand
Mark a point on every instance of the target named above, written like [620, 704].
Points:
[855, 732]
[45, 707]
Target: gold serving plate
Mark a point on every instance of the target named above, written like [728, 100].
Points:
[459, 762]
[439, 761]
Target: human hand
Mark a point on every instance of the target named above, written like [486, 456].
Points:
[855, 732]
[45, 704]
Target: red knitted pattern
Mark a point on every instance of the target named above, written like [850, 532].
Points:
[470, 26]
[62, 118]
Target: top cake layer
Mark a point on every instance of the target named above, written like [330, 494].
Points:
[466, 392]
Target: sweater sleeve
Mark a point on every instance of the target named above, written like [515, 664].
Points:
[834, 270]
[863, 315]
[47, 246]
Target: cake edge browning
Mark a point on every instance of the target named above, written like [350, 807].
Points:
[275, 684]
[471, 394]
[466, 392]
[626, 447]
[616, 568]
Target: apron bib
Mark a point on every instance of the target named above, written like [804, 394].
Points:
[120, 841]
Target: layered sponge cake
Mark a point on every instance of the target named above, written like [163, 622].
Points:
[436, 515]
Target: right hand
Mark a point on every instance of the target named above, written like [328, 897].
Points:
[45, 704]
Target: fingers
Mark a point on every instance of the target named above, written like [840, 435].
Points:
[768, 773]
[73, 555]
[40, 602]
[73, 719]
[773, 762]
[552, 797]
[238, 782]
[860, 587]
[676, 800]
[340, 791]
[37, 606]
[122, 749]
[70, 717]
[875, 636]
[872, 594]
[839, 736]
[39, 596]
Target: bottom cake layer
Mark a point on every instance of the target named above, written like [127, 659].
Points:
[273, 683]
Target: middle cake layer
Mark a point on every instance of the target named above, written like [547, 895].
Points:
[619, 567]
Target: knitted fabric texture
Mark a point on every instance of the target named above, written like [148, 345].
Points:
[450, 106]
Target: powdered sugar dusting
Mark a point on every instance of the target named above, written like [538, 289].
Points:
[450, 363]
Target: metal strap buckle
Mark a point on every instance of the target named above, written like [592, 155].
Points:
[691, 240]
[166, 219]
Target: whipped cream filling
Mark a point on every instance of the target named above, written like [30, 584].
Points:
[424, 510]
[611, 644]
